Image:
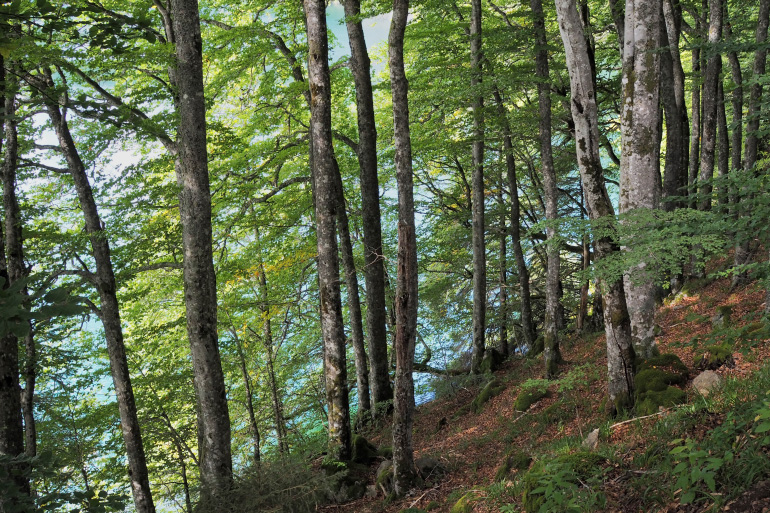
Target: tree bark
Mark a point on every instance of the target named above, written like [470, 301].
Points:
[640, 186]
[406, 281]
[504, 349]
[325, 170]
[710, 105]
[551, 352]
[191, 166]
[11, 427]
[527, 325]
[253, 426]
[374, 261]
[673, 99]
[110, 311]
[723, 149]
[695, 134]
[477, 180]
[620, 351]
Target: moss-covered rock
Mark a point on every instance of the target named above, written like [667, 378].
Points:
[653, 400]
[384, 479]
[715, 356]
[529, 397]
[668, 362]
[516, 459]
[362, 450]
[492, 361]
[493, 388]
[385, 452]
[723, 317]
[465, 504]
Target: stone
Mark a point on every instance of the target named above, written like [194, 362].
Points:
[385, 476]
[722, 318]
[428, 466]
[363, 450]
[371, 491]
[592, 440]
[706, 382]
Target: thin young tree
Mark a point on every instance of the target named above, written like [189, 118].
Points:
[406, 280]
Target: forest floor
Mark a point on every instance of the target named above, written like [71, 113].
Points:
[472, 447]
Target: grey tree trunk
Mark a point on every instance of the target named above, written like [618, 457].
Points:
[406, 281]
[324, 171]
[736, 100]
[753, 118]
[200, 289]
[673, 99]
[11, 428]
[354, 306]
[527, 325]
[710, 101]
[723, 148]
[551, 351]
[617, 326]
[695, 134]
[640, 186]
[374, 261]
[104, 280]
[504, 349]
[477, 180]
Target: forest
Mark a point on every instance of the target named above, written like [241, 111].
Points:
[237, 236]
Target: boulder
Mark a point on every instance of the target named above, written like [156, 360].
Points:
[385, 476]
[363, 450]
[427, 467]
[706, 382]
[592, 440]
[493, 388]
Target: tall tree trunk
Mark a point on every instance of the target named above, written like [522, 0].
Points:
[200, 289]
[695, 134]
[11, 428]
[406, 282]
[723, 148]
[106, 286]
[552, 354]
[504, 349]
[752, 121]
[640, 186]
[673, 99]
[354, 306]
[374, 261]
[479, 247]
[736, 100]
[527, 324]
[620, 351]
[325, 171]
[195, 214]
[710, 104]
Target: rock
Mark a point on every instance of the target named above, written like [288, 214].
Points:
[492, 389]
[527, 398]
[722, 318]
[428, 466]
[465, 504]
[363, 450]
[385, 476]
[371, 491]
[592, 440]
[706, 382]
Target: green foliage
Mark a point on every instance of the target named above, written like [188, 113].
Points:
[715, 356]
[516, 459]
[464, 504]
[531, 391]
[557, 484]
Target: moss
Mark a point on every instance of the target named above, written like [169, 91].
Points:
[432, 505]
[385, 452]
[363, 451]
[715, 356]
[516, 459]
[492, 361]
[465, 504]
[412, 510]
[666, 361]
[650, 380]
[723, 316]
[653, 400]
[528, 397]
[461, 411]
[492, 389]
[538, 346]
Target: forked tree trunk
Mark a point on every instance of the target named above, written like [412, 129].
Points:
[374, 261]
[200, 289]
[106, 286]
[326, 204]
[640, 186]
[479, 247]
[406, 281]
[710, 104]
[620, 351]
[551, 352]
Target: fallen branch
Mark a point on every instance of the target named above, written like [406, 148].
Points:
[661, 412]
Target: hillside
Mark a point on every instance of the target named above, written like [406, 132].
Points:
[492, 457]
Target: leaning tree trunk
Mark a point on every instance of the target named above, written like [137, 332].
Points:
[640, 186]
[326, 205]
[752, 122]
[477, 180]
[200, 289]
[106, 286]
[620, 351]
[253, 426]
[11, 429]
[374, 260]
[710, 100]
[406, 281]
[551, 352]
